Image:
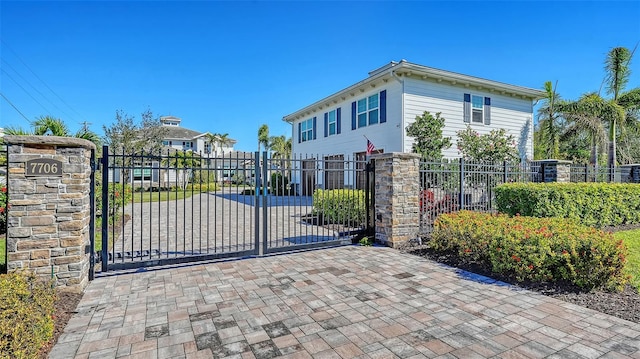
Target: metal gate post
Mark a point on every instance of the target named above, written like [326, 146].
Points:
[105, 206]
[265, 188]
[461, 188]
[256, 200]
[92, 219]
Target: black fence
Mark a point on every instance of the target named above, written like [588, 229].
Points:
[178, 206]
[453, 185]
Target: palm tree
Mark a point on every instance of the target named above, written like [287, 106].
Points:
[549, 126]
[587, 115]
[281, 147]
[263, 137]
[623, 105]
[50, 126]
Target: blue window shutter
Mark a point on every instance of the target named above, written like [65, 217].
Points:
[299, 132]
[338, 120]
[467, 108]
[326, 124]
[383, 106]
[314, 128]
[353, 115]
[487, 110]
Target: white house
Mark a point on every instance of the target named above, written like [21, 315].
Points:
[381, 106]
[185, 139]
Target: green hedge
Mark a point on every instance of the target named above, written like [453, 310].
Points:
[533, 249]
[592, 204]
[340, 205]
[202, 187]
[26, 315]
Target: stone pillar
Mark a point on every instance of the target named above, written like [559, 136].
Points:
[49, 187]
[397, 189]
[630, 173]
[555, 171]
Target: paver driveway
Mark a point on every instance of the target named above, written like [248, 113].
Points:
[341, 302]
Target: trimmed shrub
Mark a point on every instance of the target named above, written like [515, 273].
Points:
[26, 315]
[279, 184]
[533, 249]
[202, 187]
[340, 205]
[592, 204]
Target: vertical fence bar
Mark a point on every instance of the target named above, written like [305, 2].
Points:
[256, 200]
[461, 184]
[105, 207]
[265, 236]
[92, 219]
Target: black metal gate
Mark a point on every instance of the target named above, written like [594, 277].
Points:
[179, 206]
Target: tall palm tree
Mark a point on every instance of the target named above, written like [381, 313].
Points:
[587, 115]
[617, 74]
[549, 126]
[281, 147]
[263, 137]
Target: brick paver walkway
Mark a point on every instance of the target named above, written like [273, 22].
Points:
[348, 302]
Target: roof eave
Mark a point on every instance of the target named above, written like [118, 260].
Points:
[407, 68]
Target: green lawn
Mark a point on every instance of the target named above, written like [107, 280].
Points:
[632, 240]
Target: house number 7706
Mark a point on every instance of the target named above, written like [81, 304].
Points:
[44, 167]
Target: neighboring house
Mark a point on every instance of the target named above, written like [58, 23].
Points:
[176, 138]
[381, 106]
[185, 139]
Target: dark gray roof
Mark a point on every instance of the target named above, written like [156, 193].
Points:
[181, 133]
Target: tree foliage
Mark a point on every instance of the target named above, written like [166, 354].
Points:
[127, 136]
[427, 133]
[51, 126]
[263, 137]
[495, 146]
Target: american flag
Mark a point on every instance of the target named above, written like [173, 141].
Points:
[370, 147]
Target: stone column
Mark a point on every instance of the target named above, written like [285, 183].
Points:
[555, 170]
[49, 182]
[397, 189]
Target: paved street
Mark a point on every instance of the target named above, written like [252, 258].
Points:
[346, 302]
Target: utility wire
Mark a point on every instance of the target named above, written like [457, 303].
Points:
[41, 80]
[25, 90]
[14, 106]
[38, 91]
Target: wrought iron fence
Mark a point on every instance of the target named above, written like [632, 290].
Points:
[452, 185]
[595, 173]
[179, 206]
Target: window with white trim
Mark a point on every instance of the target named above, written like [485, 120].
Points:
[477, 107]
[332, 122]
[368, 111]
[306, 132]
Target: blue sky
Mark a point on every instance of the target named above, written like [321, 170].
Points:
[229, 67]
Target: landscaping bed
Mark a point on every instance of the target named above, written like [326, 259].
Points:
[624, 304]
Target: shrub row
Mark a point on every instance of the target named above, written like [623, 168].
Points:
[593, 204]
[26, 315]
[202, 187]
[533, 249]
[340, 205]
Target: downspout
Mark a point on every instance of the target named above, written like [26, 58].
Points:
[402, 124]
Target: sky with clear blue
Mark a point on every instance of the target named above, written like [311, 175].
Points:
[228, 67]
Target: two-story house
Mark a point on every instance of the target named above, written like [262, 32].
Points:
[381, 106]
[182, 138]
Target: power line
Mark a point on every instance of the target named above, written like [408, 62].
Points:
[38, 91]
[25, 90]
[14, 106]
[38, 77]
